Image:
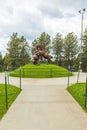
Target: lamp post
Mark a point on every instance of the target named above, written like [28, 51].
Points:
[86, 91]
[80, 60]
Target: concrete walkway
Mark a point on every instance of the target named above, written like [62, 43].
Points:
[44, 104]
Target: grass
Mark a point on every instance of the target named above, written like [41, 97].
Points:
[78, 92]
[40, 71]
[13, 92]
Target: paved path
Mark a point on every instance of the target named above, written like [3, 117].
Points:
[44, 104]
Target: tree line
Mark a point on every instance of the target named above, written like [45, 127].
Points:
[66, 51]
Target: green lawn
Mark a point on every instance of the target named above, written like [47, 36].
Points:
[40, 71]
[78, 92]
[13, 92]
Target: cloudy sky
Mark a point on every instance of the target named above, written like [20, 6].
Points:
[32, 17]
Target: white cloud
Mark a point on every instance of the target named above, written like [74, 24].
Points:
[31, 18]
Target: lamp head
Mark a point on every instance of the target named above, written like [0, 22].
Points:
[79, 11]
[84, 9]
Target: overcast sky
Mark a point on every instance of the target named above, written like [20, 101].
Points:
[32, 17]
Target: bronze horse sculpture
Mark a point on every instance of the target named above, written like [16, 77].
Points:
[40, 51]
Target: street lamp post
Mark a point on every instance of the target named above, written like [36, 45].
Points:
[80, 60]
[86, 91]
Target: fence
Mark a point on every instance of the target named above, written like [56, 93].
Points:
[7, 81]
[39, 73]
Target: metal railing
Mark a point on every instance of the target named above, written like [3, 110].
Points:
[41, 73]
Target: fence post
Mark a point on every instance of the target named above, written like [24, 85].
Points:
[68, 75]
[50, 72]
[7, 75]
[20, 77]
[86, 91]
[6, 90]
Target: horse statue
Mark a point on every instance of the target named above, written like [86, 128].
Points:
[45, 55]
[35, 57]
[40, 51]
[40, 47]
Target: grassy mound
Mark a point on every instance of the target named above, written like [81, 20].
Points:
[40, 71]
[12, 94]
[78, 92]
